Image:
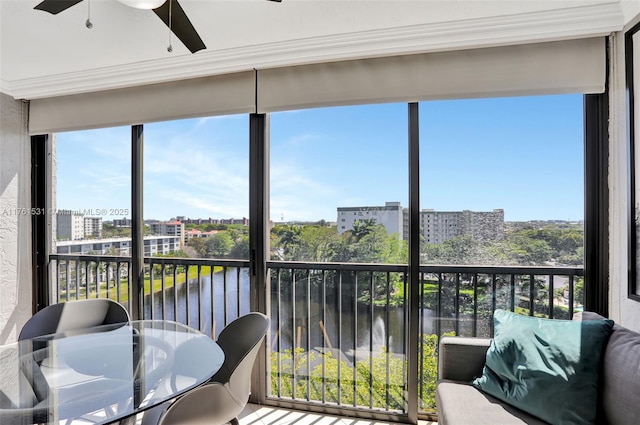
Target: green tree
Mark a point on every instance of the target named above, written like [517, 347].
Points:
[525, 250]
[110, 231]
[362, 228]
[287, 241]
[198, 245]
[461, 249]
[315, 243]
[380, 379]
[219, 245]
[240, 249]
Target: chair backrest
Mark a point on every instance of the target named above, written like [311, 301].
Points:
[241, 340]
[72, 316]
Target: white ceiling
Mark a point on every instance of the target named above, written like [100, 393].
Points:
[45, 55]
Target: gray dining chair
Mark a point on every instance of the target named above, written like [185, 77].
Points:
[74, 316]
[227, 393]
[71, 317]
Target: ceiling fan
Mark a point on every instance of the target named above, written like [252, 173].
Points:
[169, 11]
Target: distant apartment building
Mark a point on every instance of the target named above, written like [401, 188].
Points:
[439, 226]
[483, 225]
[191, 233]
[435, 226]
[119, 246]
[169, 228]
[93, 227]
[244, 221]
[70, 225]
[195, 233]
[390, 216]
[198, 221]
[124, 222]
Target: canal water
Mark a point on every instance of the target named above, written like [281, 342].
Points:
[352, 327]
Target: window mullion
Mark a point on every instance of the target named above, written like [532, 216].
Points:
[137, 225]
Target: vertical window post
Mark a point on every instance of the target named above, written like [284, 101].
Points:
[414, 260]
[137, 225]
[596, 210]
[259, 235]
[39, 230]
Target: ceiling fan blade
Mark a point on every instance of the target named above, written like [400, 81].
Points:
[180, 25]
[56, 6]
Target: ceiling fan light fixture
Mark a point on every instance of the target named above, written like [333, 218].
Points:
[143, 4]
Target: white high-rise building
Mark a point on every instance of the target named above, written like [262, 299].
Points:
[390, 216]
[70, 225]
[439, 226]
[93, 227]
[435, 226]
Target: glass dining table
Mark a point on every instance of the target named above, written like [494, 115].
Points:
[103, 374]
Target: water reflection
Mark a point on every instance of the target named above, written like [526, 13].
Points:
[337, 322]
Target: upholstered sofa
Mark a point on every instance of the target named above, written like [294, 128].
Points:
[462, 359]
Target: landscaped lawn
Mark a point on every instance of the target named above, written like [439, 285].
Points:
[111, 292]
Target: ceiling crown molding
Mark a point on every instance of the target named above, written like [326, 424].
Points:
[630, 10]
[559, 24]
[5, 87]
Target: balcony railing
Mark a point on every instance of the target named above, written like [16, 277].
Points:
[339, 331]
[167, 295]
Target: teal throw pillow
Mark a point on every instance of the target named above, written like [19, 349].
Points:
[548, 368]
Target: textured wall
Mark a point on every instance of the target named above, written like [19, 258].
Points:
[15, 227]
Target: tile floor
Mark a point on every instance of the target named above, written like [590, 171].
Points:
[255, 414]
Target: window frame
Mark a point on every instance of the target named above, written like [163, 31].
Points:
[596, 224]
[633, 288]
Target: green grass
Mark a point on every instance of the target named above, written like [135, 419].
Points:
[181, 277]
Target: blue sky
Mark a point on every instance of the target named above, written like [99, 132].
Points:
[524, 155]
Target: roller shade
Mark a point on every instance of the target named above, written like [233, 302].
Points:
[208, 96]
[571, 66]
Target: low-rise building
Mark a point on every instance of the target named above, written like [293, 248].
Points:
[124, 222]
[119, 246]
[169, 228]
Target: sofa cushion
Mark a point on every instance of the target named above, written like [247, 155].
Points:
[621, 377]
[460, 403]
[548, 368]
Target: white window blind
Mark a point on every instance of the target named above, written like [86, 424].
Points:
[208, 96]
[572, 66]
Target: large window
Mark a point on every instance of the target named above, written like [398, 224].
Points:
[339, 186]
[502, 181]
[500, 225]
[91, 193]
[196, 186]
[501, 213]
[93, 182]
[196, 213]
